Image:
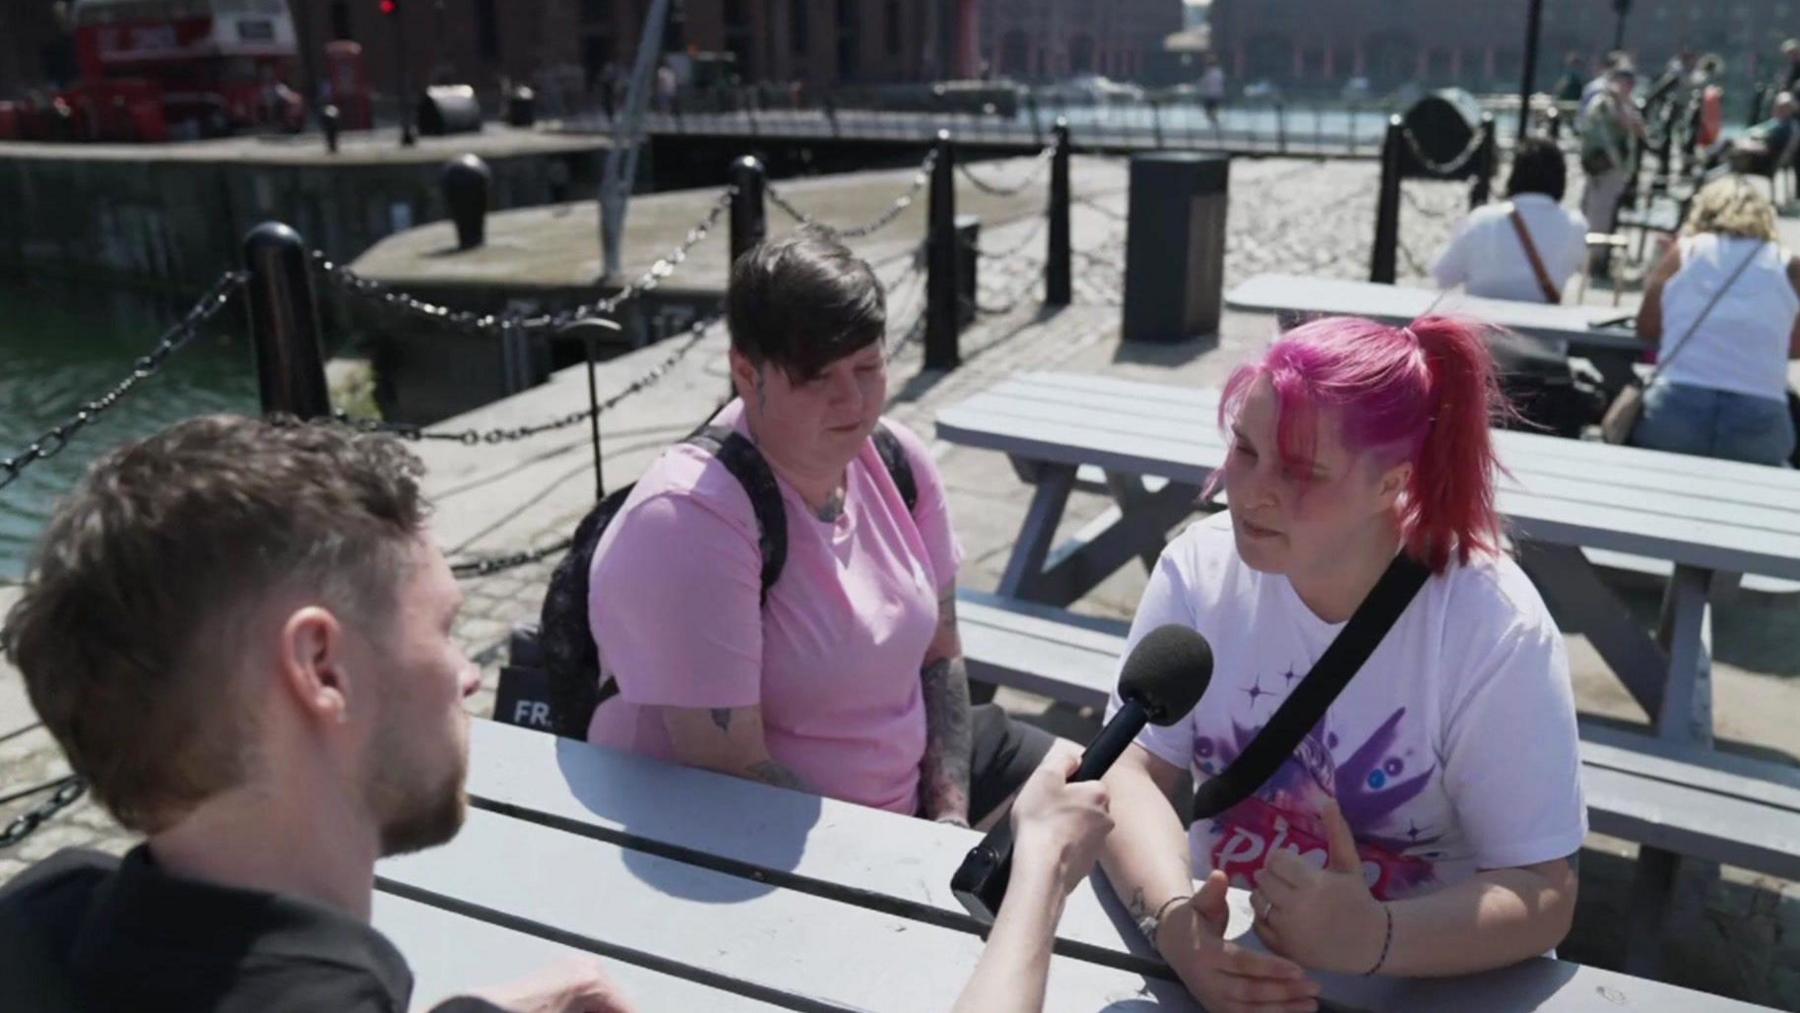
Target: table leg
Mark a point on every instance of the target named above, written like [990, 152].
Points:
[1568, 582]
[1111, 541]
[1026, 564]
[1685, 632]
[1134, 497]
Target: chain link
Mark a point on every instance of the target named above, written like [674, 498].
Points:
[52, 441]
[68, 791]
[1040, 166]
[1030, 236]
[1449, 168]
[491, 565]
[355, 284]
[1089, 202]
[508, 434]
[1422, 208]
[921, 177]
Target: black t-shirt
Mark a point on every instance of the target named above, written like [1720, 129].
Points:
[85, 931]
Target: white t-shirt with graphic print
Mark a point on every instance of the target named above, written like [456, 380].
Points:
[1453, 750]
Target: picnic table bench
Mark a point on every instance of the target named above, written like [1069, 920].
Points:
[710, 892]
[1571, 329]
[1157, 446]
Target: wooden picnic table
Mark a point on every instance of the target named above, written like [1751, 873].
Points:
[708, 892]
[1711, 521]
[1571, 330]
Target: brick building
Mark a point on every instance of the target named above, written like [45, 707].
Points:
[1319, 44]
[1046, 39]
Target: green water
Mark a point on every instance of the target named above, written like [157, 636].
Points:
[61, 345]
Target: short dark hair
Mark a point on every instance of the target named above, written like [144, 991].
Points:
[157, 556]
[1538, 168]
[803, 302]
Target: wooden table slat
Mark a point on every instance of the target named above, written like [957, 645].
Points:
[452, 955]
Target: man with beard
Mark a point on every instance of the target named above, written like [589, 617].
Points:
[240, 634]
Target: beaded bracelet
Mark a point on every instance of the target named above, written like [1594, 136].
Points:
[1385, 943]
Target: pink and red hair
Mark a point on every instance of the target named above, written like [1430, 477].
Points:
[1425, 393]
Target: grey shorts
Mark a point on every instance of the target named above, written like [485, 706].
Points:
[1004, 752]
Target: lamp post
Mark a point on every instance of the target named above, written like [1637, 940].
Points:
[390, 9]
[1533, 15]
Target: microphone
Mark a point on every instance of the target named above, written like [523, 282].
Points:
[1160, 683]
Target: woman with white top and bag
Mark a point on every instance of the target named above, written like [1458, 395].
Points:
[1526, 249]
[1391, 824]
[1727, 295]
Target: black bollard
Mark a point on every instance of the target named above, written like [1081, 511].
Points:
[284, 323]
[331, 122]
[749, 223]
[968, 242]
[941, 260]
[1485, 162]
[1057, 276]
[1387, 207]
[466, 192]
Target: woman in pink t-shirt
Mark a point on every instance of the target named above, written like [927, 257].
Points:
[848, 680]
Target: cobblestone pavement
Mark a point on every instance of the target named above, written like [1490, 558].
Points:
[1284, 215]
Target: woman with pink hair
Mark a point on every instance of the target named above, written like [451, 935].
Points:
[1429, 823]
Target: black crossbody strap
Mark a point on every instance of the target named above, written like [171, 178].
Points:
[1303, 708]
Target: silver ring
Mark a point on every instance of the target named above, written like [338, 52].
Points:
[1268, 905]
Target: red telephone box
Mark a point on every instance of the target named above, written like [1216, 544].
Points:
[347, 84]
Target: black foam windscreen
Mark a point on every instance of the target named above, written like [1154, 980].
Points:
[1167, 672]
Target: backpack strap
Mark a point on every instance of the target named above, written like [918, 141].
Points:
[751, 469]
[899, 466]
[1301, 712]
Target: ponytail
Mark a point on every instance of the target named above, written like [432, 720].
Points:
[1449, 503]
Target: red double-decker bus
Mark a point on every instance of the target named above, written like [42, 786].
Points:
[213, 66]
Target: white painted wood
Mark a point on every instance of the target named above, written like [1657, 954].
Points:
[1712, 514]
[588, 886]
[807, 946]
[1393, 304]
[451, 955]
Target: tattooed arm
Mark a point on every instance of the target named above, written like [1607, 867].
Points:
[944, 773]
[728, 740]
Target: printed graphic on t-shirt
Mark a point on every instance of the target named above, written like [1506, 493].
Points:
[1370, 780]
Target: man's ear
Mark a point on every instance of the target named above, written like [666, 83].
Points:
[312, 665]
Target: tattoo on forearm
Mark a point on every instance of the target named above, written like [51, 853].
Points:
[721, 716]
[770, 772]
[944, 773]
[1137, 906]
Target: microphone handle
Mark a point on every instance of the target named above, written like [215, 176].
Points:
[980, 883]
[1115, 736]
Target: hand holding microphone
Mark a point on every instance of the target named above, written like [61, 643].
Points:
[1161, 682]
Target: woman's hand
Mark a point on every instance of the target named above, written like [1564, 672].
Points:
[1321, 918]
[1226, 977]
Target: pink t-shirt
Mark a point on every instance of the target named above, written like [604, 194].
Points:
[834, 657]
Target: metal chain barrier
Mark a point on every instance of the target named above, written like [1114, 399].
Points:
[1030, 236]
[495, 564]
[508, 434]
[1422, 208]
[921, 177]
[1089, 202]
[52, 441]
[1449, 168]
[1012, 299]
[64, 793]
[368, 288]
[1040, 166]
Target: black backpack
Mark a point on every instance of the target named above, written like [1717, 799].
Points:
[571, 658]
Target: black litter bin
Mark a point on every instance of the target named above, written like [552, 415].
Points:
[1175, 246]
[449, 109]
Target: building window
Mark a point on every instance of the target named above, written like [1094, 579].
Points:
[798, 35]
[340, 19]
[891, 26]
